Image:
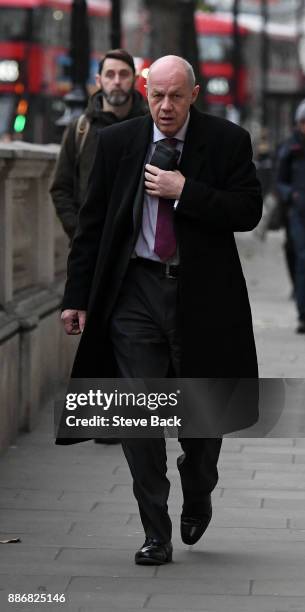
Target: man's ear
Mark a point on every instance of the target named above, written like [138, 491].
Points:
[195, 93]
[98, 81]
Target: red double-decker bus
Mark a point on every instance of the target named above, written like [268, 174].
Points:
[215, 50]
[224, 90]
[34, 62]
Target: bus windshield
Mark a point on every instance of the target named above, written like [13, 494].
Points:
[213, 48]
[13, 24]
[51, 27]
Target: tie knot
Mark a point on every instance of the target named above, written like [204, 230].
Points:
[172, 142]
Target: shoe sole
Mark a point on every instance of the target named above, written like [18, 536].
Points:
[152, 562]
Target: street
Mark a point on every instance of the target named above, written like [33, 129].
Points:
[73, 507]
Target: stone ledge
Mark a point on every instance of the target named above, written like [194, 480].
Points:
[8, 326]
[28, 150]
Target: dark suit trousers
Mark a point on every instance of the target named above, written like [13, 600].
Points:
[146, 344]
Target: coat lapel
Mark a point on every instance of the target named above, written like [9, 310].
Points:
[131, 172]
[194, 155]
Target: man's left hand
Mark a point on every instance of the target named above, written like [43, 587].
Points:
[163, 183]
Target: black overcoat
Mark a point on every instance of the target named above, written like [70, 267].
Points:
[221, 195]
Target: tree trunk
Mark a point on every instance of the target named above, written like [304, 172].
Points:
[165, 28]
[116, 27]
[236, 51]
[264, 60]
[173, 32]
[80, 43]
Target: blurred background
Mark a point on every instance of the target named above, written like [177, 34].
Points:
[249, 56]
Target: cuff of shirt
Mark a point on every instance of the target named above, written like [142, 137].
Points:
[176, 202]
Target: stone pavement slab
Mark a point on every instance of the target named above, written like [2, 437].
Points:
[221, 603]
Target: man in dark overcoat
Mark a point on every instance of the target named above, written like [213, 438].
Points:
[154, 282]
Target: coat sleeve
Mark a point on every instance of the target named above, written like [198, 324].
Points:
[283, 179]
[63, 186]
[84, 250]
[237, 206]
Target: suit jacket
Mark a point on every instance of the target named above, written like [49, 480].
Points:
[221, 195]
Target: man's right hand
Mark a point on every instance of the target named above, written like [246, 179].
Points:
[74, 321]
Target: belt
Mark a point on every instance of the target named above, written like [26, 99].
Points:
[167, 270]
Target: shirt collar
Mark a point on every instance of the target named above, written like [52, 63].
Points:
[180, 135]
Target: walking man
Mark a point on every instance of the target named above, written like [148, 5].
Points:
[115, 100]
[291, 188]
[154, 279]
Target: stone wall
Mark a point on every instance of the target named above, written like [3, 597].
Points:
[35, 354]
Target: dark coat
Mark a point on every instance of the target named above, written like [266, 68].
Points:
[290, 179]
[73, 167]
[221, 195]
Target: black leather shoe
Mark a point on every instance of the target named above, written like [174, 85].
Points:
[107, 441]
[154, 552]
[301, 327]
[193, 527]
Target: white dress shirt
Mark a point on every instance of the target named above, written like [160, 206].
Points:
[146, 240]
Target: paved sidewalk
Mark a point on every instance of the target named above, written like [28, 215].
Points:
[74, 511]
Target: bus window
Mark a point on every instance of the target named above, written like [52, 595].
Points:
[13, 24]
[214, 48]
[51, 27]
[283, 55]
[99, 33]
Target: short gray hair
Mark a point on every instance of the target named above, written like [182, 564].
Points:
[187, 66]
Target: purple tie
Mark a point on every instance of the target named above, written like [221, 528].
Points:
[165, 238]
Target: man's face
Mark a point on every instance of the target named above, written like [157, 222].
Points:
[170, 95]
[116, 81]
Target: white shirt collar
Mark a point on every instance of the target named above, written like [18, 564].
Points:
[180, 135]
